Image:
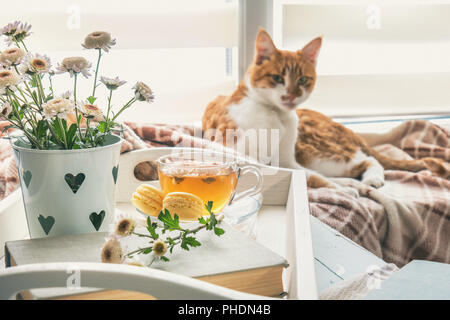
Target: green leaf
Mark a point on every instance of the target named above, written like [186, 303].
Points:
[33, 83]
[189, 241]
[71, 134]
[163, 258]
[102, 126]
[218, 231]
[147, 251]
[212, 222]
[201, 220]
[209, 206]
[169, 222]
[152, 229]
[91, 99]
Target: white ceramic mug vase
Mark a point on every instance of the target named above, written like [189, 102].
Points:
[68, 191]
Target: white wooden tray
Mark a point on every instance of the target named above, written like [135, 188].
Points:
[284, 215]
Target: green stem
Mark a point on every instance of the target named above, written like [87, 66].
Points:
[128, 104]
[19, 121]
[24, 46]
[63, 130]
[41, 99]
[53, 132]
[142, 235]
[76, 109]
[107, 113]
[96, 72]
[151, 262]
[182, 232]
[51, 85]
[23, 95]
[32, 96]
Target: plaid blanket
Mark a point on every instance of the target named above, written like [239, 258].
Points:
[408, 218]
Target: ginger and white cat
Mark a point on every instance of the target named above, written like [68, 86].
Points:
[274, 85]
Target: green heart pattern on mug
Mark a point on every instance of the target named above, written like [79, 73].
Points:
[74, 182]
[97, 219]
[115, 171]
[27, 177]
[46, 223]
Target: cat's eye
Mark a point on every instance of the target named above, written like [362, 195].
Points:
[277, 78]
[302, 80]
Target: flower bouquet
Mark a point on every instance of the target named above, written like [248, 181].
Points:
[67, 148]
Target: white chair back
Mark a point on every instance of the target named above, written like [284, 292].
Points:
[157, 283]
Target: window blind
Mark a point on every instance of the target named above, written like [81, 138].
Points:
[378, 57]
[185, 50]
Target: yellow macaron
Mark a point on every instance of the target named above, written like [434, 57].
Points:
[186, 205]
[148, 199]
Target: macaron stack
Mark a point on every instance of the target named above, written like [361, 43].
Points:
[148, 199]
[151, 200]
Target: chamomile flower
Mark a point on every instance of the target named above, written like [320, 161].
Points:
[99, 40]
[58, 108]
[123, 224]
[143, 92]
[75, 65]
[36, 63]
[112, 251]
[159, 248]
[112, 83]
[125, 227]
[11, 56]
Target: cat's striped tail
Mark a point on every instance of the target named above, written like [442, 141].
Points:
[435, 165]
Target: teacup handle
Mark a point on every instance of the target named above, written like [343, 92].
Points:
[252, 191]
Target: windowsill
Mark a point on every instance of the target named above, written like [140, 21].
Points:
[381, 124]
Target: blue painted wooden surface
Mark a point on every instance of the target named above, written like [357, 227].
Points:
[337, 257]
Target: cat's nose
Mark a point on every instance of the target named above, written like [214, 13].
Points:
[288, 97]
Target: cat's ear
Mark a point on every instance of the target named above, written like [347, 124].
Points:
[311, 50]
[264, 46]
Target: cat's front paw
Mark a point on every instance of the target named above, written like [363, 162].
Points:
[374, 181]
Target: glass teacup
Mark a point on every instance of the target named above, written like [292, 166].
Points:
[212, 176]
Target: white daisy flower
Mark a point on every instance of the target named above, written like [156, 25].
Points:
[75, 65]
[91, 112]
[58, 108]
[112, 83]
[143, 92]
[9, 78]
[23, 31]
[99, 40]
[10, 28]
[15, 31]
[36, 63]
[12, 56]
[66, 95]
